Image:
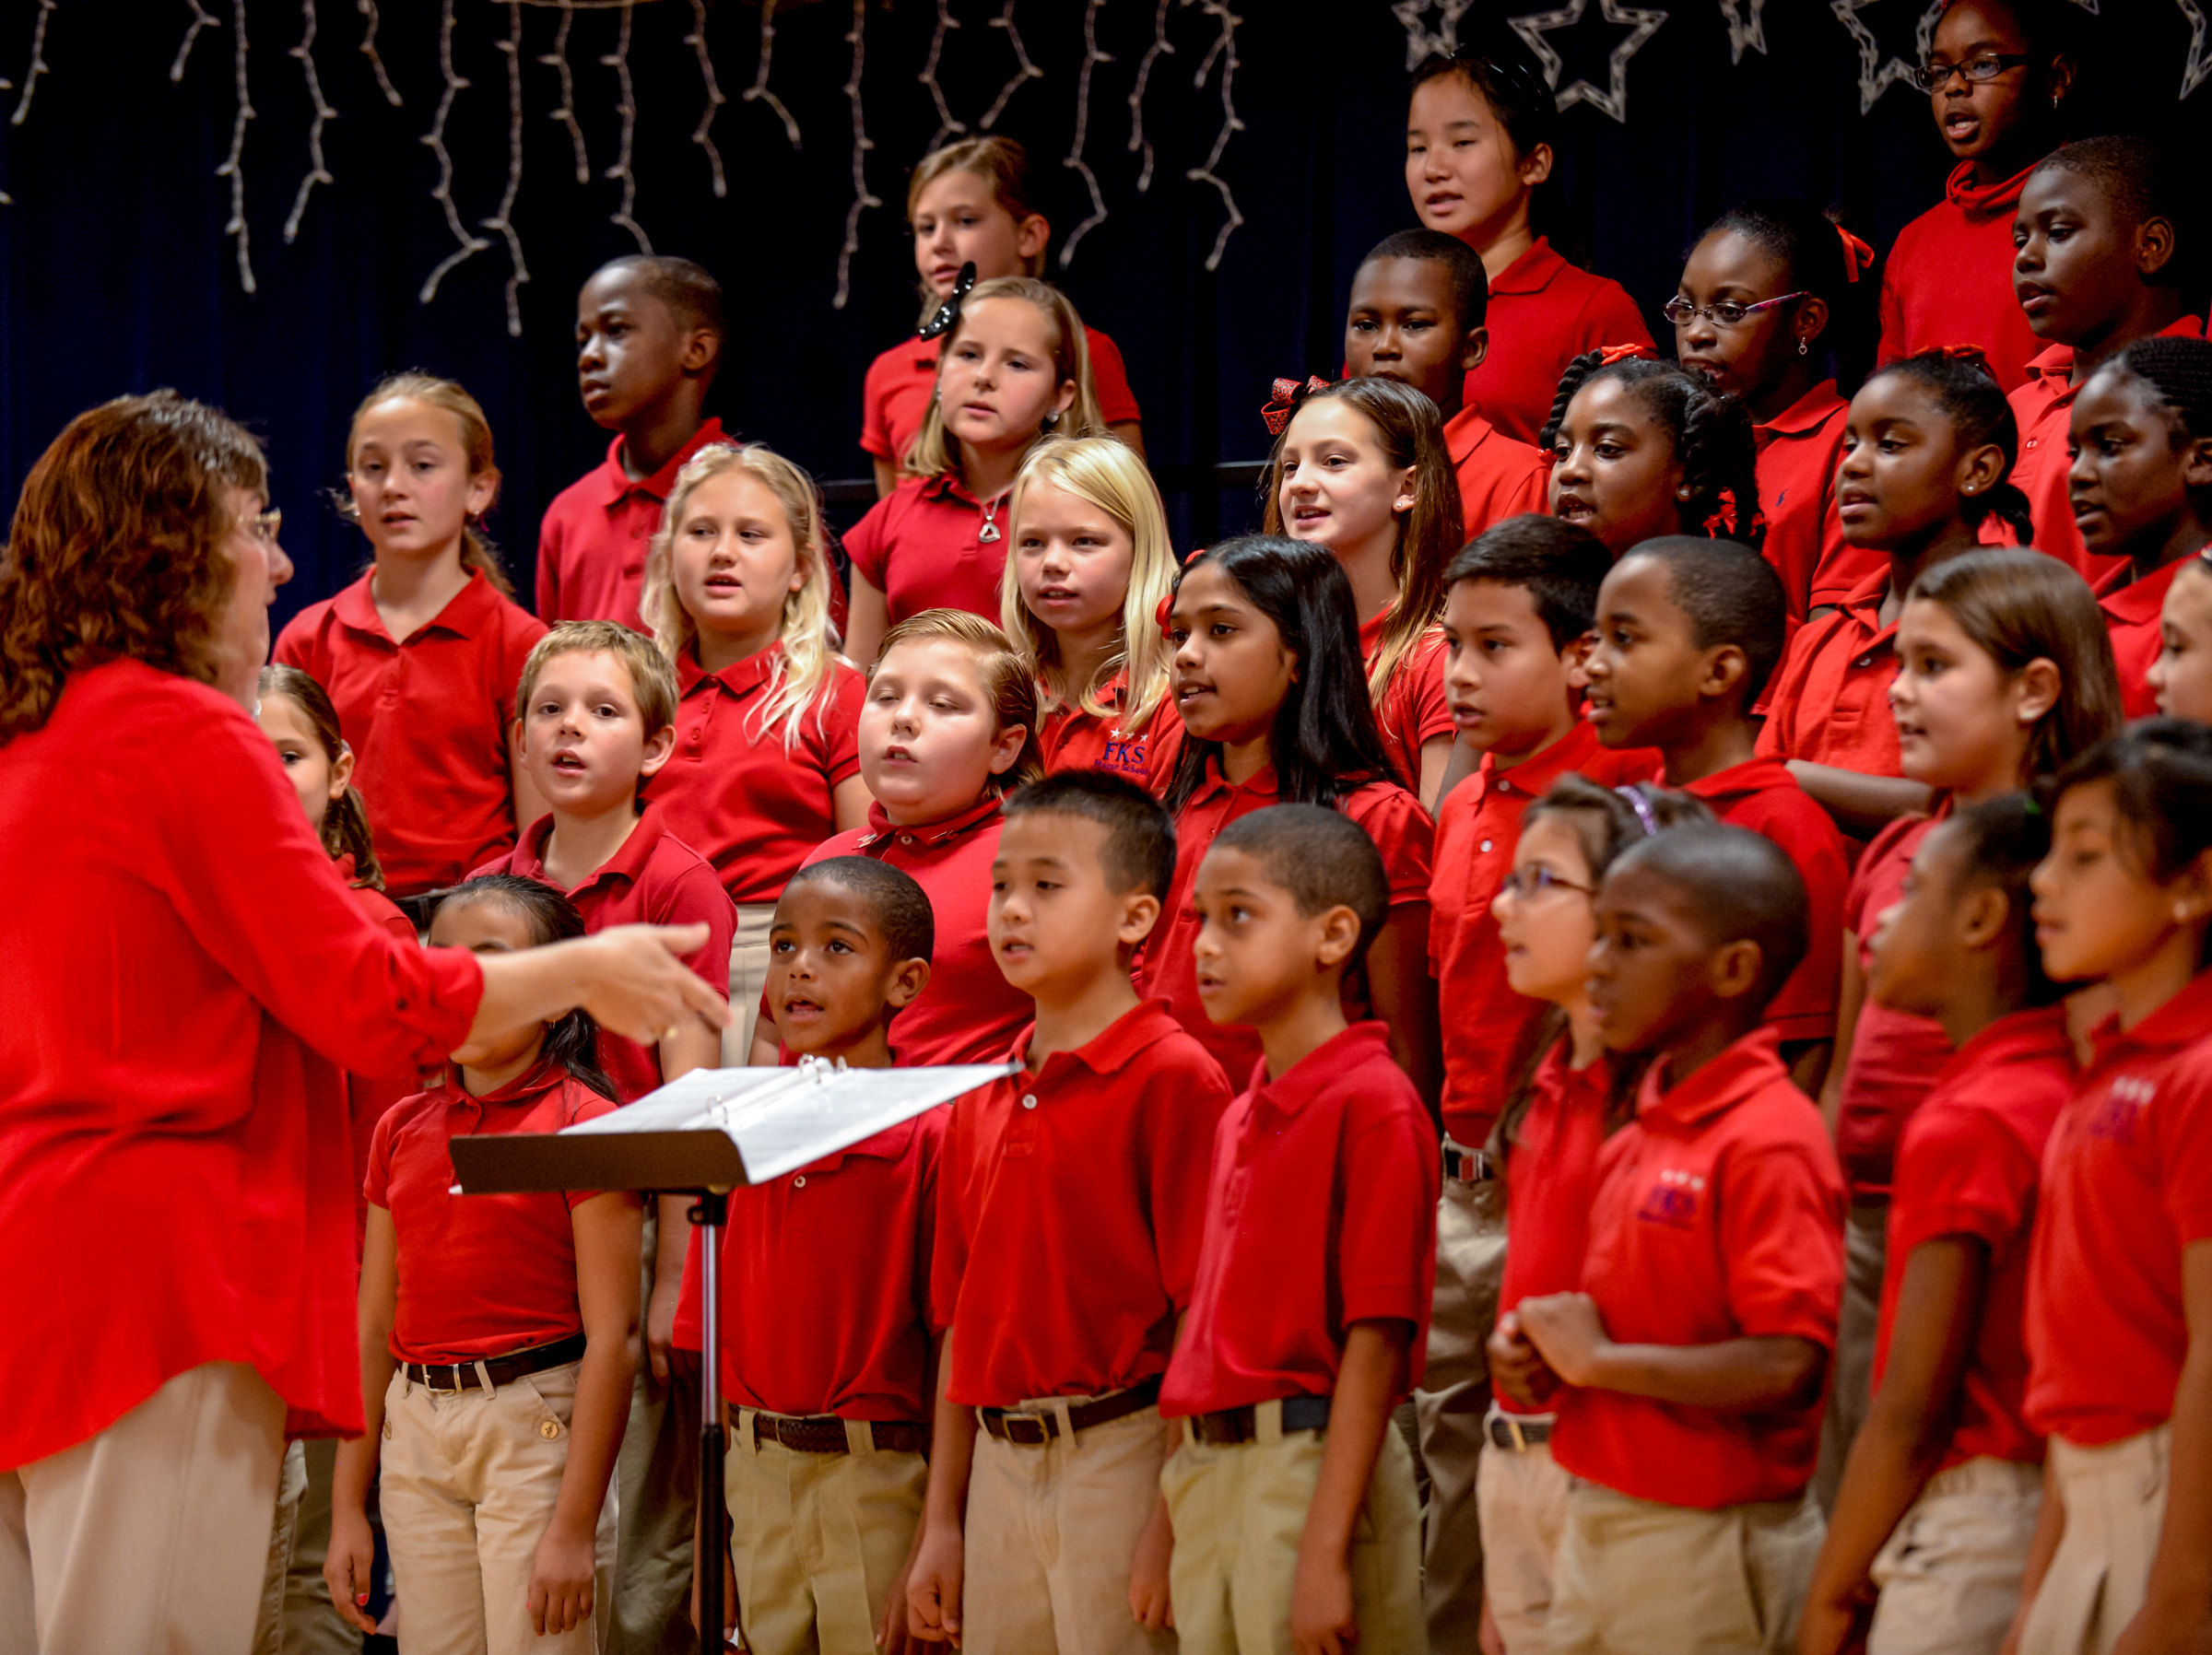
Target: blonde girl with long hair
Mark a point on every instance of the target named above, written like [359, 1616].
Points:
[1088, 567]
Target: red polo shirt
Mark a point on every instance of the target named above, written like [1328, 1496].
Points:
[805, 1333]
[1499, 477]
[1544, 312]
[1412, 710]
[1394, 819]
[1828, 702]
[173, 1128]
[1798, 452]
[427, 721]
[1719, 1215]
[920, 547]
[592, 543]
[751, 804]
[1075, 1199]
[1072, 738]
[1894, 1056]
[968, 1014]
[1550, 1178]
[895, 395]
[1948, 278]
[1320, 1213]
[1765, 798]
[1966, 1166]
[2131, 616]
[479, 1275]
[1485, 1026]
[368, 1097]
[653, 879]
[2127, 1184]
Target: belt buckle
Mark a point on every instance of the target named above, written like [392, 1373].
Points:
[1030, 1430]
[432, 1386]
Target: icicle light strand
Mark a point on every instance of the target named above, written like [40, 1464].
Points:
[947, 124]
[503, 221]
[703, 136]
[435, 138]
[371, 22]
[557, 60]
[38, 63]
[317, 173]
[858, 38]
[758, 91]
[1024, 70]
[201, 19]
[234, 168]
[1092, 57]
[1158, 48]
[1225, 49]
[618, 61]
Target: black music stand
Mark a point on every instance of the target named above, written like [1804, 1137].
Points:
[708, 1134]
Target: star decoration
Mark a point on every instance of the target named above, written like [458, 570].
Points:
[1744, 30]
[1642, 23]
[1875, 76]
[1421, 43]
[2199, 70]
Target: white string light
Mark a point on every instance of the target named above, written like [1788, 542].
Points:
[370, 23]
[38, 63]
[558, 59]
[1158, 48]
[201, 19]
[1421, 43]
[618, 61]
[946, 124]
[857, 36]
[234, 168]
[1093, 56]
[1745, 31]
[703, 137]
[317, 173]
[435, 138]
[1225, 49]
[1641, 23]
[1024, 70]
[503, 221]
[759, 89]
[2197, 69]
[1874, 75]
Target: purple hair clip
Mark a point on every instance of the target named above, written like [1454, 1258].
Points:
[1642, 808]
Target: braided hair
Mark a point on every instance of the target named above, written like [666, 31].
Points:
[1971, 398]
[1814, 259]
[2178, 370]
[1711, 430]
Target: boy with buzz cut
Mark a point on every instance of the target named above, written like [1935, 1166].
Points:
[1067, 1239]
[594, 716]
[1416, 316]
[649, 340]
[1695, 1356]
[1688, 632]
[1519, 606]
[1296, 1522]
[825, 1347]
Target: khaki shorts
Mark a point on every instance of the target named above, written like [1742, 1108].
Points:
[1523, 1495]
[749, 981]
[1950, 1574]
[2115, 1499]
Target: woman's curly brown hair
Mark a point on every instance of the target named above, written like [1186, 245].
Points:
[115, 551]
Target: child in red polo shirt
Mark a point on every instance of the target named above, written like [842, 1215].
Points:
[1088, 567]
[1015, 370]
[1417, 315]
[969, 204]
[1275, 712]
[764, 765]
[2119, 1277]
[825, 1345]
[1786, 279]
[948, 723]
[497, 1338]
[2181, 676]
[1688, 632]
[2106, 236]
[1479, 130]
[421, 654]
[1996, 76]
[1641, 449]
[1939, 1500]
[1075, 1196]
[648, 339]
[1291, 1495]
[1567, 1100]
[1359, 467]
[2141, 487]
[1691, 1362]
[1927, 450]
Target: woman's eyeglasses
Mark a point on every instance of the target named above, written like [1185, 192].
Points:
[1977, 70]
[264, 526]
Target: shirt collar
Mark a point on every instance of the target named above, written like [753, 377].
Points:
[614, 484]
[2038, 1032]
[1465, 432]
[476, 603]
[740, 678]
[2053, 369]
[524, 1088]
[1739, 780]
[946, 485]
[1213, 784]
[1739, 1071]
[1984, 201]
[627, 863]
[1808, 413]
[1531, 272]
[1137, 1030]
[1534, 774]
[2136, 601]
[2180, 1022]
[1292, 1091]
[886, 1146]
[881, 827]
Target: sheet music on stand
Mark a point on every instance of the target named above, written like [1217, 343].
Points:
[711, 1131]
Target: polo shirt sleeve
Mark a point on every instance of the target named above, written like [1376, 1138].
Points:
[1781, 1243]
[1778, 736]
[1959, 1172]
[1386, 1250]
[1110, 381]
[834, 730]
[582, 1104]
[519, 633]
[698, 898]
[875, 393]
[929, 1160]
[1892, 345]
[546, 597]
[295, 645]
[1402, 833]
[1804, 1006]
[2183, 1129]
[949, 1252]
[1613, 317]
[867, 543]
[1185, 1102]
[376, 1182]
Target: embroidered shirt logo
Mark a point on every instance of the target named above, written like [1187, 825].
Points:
[2120, 1116]
[1124, 754]
[1674, 1198]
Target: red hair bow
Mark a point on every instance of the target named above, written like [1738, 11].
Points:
[1160, 614]
[1974, 356]
[1858, 255]
[1609, 354]
[1289, 393]
[1723, 524]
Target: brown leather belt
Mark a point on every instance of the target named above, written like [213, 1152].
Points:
[825, 1434]
[1232, 1426]
[504, 1370]
[1467, 1166]
[1517, 1431]
[1031, 1427]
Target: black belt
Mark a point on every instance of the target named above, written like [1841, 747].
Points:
[825, 1434]
[1241, 1425]
[1467, 1166]
[1030, 1427]
[504, 1370]
[1517, 1431]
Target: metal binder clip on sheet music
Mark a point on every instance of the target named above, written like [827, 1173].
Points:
[716, 1129]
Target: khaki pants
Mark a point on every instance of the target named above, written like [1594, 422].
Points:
[749, 980]
[153, 1534]
[1052, 1531]
[1450, 1406]
[291, 1493]
[1850, 1387]
[1636, 1578]
[656, 1483]
[1950, 1575]
[1239, 1513]
[311, 1623]
[2115, 1499]
[817, 1540]
[470, 1479]
[1523, 1494]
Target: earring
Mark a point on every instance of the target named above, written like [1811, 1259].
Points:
[1047, 424]
[2180, 913]
[1802, 348]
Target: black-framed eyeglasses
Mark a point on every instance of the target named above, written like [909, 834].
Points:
[1535, 879]
[1727, 314]
[1929, 77]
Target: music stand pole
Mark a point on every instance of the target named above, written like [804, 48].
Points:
[709, 1212]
